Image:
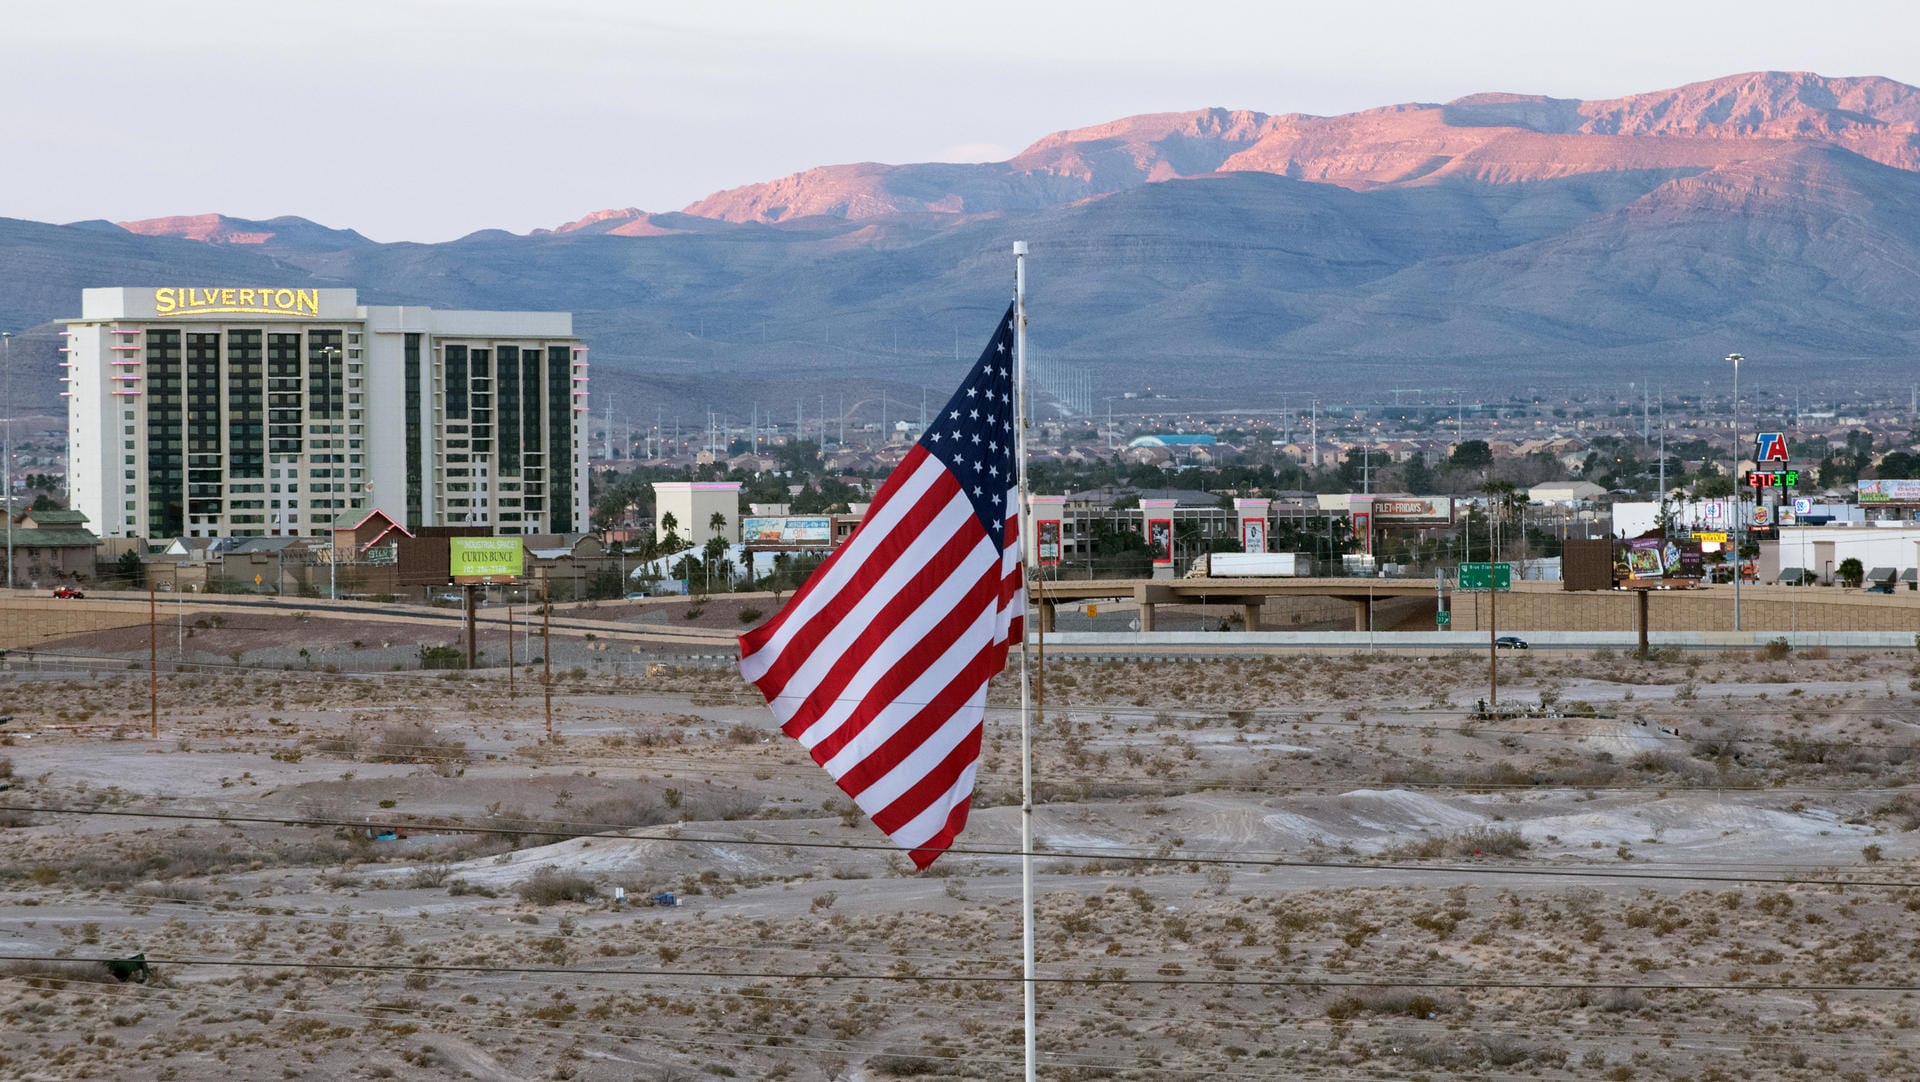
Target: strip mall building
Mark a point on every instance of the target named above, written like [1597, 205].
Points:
[266, 411]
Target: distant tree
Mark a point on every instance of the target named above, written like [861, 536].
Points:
[1471, 455]
[1714, 487]
[1416, 475]
[1851, 572]
[1899, 464]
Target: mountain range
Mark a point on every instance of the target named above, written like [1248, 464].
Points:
[1500, 241]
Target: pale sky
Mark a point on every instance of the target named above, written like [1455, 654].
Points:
[429, 119]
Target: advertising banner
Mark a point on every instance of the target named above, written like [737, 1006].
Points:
[1160, 539]
[777, 531]
[1888, 491]
[1420, 510]
[1363, 530]
[473, 559]
[1646, 559]
[1048, 540]
[1253, 536]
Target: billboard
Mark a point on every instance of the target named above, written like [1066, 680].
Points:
[1160, 539]
[784, 530]
[472, 559]
[1888, 491]
[1253, 535]
[1048, 541]
[1414, 511]
[1651, 559]
[1363, 529]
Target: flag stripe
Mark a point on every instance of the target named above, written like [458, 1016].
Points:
[879, 663]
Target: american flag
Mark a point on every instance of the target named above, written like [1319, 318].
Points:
[879, 664]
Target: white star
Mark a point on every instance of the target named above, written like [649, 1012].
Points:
[976, 490]
[992, 446]
[957, 459]
[972, 392]
[973, 414]
[977, 464]
[993, 471]
[996, 499]
[935, 436]
[1002, 347]
[976, 438]
[955, 415]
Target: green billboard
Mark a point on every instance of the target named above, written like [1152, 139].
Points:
[485, 558]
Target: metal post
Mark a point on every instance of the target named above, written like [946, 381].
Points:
[6, 446]
[1027, 967]
[1739, 508]
[546, 651]
[153, 659]
[473, 655]
[509, 646]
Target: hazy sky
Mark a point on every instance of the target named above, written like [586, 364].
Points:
[428, 119]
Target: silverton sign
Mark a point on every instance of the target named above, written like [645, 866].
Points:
[258, 301]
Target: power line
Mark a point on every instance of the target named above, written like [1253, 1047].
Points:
[1090, 979]
[679, 836]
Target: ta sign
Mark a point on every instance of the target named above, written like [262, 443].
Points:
[1770, 447]
[474, 558]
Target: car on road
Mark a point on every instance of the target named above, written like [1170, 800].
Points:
[67, 591]
[1510, 642]
[637, 595]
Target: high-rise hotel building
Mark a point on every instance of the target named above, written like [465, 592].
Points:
[216, 411]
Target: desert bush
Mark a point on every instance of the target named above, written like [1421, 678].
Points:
[550, 886]
[416, 744]
[430, 875]
[441, 657]
[1479, 841]
[57, 974]
[904, 1065]
[1773, 650]
[750, 614]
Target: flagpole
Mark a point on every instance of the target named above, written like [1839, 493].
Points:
[1026, 686]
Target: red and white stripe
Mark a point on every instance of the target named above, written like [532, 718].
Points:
[879, 664]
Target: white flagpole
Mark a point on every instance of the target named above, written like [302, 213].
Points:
[1026, 685]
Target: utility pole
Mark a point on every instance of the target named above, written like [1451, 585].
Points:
[6, 445]
[546, 650]
[153, 656]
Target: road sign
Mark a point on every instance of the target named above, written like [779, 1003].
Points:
[1092, 611]
[1803, 505]
[1443, 618]
[1475, 576]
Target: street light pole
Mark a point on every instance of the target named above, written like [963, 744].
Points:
[6, 445]
[1739, 511]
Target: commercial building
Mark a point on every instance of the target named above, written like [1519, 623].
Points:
[214, 411]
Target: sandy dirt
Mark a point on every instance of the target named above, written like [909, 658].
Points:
[1699, 866]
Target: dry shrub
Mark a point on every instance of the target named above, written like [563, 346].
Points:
[57, 974]
[550, 886]
[417, 744]
[1480, 841]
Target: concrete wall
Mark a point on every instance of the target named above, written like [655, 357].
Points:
[1762, 608]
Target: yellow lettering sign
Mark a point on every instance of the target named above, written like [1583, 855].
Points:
[257, 301]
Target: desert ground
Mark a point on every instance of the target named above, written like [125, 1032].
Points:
[1693, 866]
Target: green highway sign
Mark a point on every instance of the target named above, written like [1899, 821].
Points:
[1476, 576]
[1443, 618]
